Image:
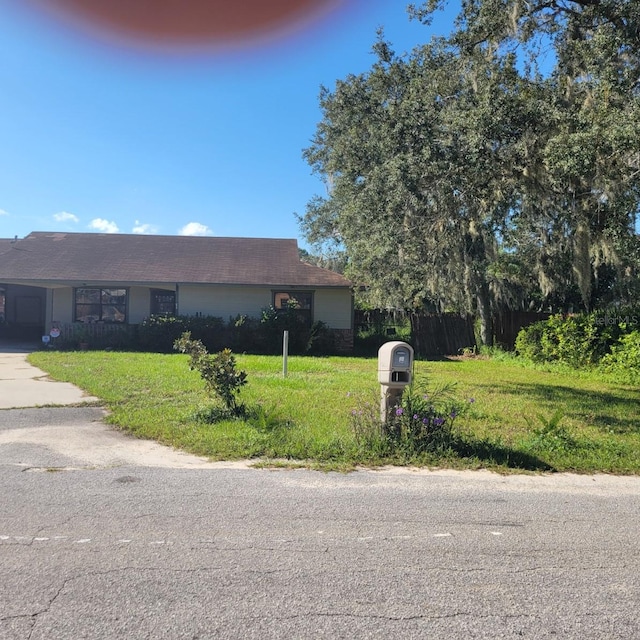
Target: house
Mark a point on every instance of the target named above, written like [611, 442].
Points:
[58, 279]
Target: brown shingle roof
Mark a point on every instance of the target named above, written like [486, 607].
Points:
[116, 258]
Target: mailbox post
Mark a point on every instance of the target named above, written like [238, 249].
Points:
[395, 368]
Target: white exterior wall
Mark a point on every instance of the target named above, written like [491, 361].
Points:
[333, 307]
[62, 307]
[223, 302]
[139, 304]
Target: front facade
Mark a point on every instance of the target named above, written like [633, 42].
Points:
[53, 280]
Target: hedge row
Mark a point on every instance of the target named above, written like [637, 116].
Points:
[240, 334]
[609, 339]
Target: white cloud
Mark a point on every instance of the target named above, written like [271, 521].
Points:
[65, 216]
[144, 229]
[195, 229]
[3, 212]
[104, 226]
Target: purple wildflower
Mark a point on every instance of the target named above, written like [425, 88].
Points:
[438, 422]
[399, 411]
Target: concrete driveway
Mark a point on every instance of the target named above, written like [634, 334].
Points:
[46, 424]
[23, 385]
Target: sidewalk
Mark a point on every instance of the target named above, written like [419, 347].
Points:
[23, 385]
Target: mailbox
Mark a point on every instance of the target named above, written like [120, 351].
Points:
[395, 364]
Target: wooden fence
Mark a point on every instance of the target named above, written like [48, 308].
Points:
[439, 334]
[507, 325]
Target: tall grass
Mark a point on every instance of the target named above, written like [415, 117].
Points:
[306, 416]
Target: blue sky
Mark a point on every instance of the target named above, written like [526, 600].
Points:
[97, 136]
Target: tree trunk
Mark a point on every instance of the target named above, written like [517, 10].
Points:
[483, 302]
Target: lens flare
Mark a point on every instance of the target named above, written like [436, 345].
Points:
[190, 23]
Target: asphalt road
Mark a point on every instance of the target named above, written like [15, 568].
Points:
[121, 547]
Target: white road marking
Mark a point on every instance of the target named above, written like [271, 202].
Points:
[4, 537]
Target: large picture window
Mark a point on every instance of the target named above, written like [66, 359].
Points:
[97, 304]
[163, 303]
[302, 301]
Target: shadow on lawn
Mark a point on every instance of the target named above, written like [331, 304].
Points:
[594, 407]
[490, 453]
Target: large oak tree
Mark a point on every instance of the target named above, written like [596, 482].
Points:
[466, 176]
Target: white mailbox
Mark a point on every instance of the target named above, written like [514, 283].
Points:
[395, 364]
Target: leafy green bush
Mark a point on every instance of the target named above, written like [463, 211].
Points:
[241, 333]
[218, 371]
[571, 339]
[578, 340]
[624, 359]
[529, 342]
[158, 333]
[321, 340]
[274, 322]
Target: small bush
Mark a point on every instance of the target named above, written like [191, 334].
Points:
[420, 423]
[529, 342]
[423, 422]
[274, 322]
[218, 371]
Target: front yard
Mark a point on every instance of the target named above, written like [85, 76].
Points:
[516, 417]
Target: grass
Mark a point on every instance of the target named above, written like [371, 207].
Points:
[521, 418]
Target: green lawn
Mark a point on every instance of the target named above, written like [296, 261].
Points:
[509, 425]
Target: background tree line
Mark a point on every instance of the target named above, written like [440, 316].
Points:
[495, 168]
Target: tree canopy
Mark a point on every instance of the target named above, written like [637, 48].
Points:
[496, 167]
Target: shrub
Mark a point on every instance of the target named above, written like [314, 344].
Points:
[274, 322]
[159, 333]
[529, 342]
[423, 422]
[321, 340]
[570, 339]
[624, 359]
[218, 371]
[578, 340]
[419, 423]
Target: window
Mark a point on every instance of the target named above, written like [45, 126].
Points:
[94, 304]
[2, 305]
[163, 303]
[302, 301]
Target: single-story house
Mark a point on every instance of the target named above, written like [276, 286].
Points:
[55, 279]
